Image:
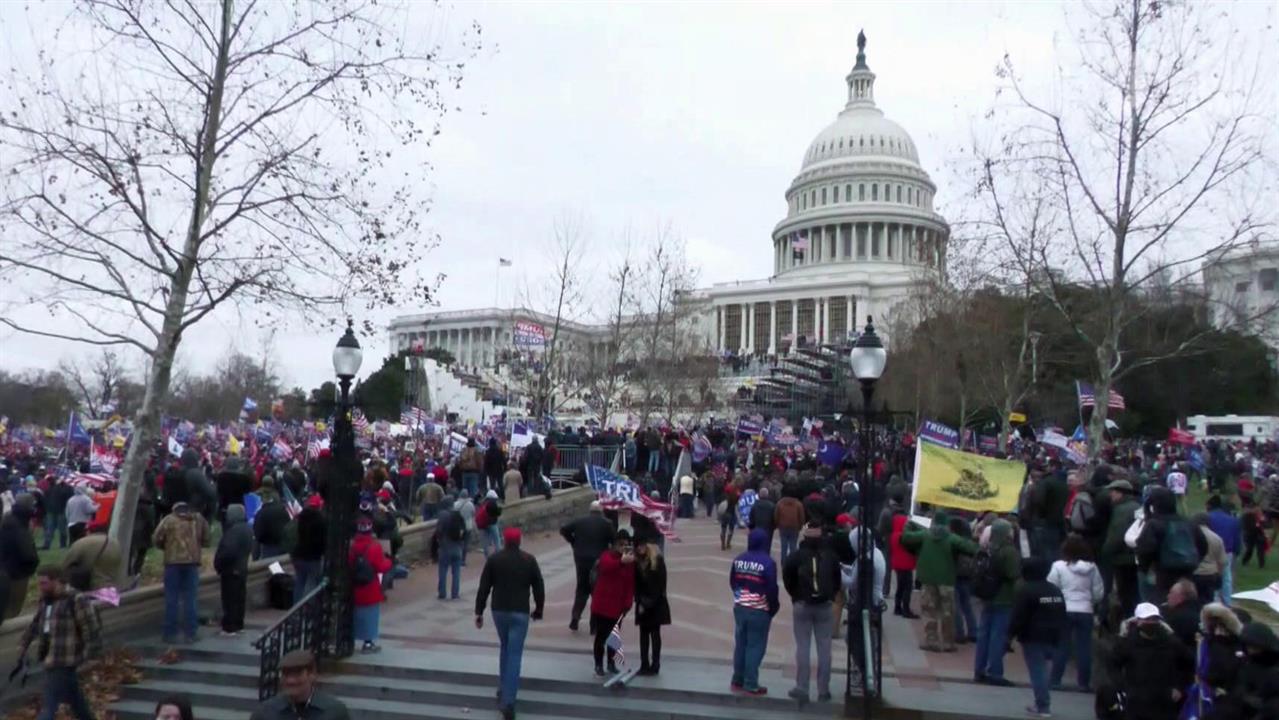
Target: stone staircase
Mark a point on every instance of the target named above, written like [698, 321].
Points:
[454, 681]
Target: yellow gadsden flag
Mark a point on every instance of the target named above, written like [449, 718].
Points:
[966, 481]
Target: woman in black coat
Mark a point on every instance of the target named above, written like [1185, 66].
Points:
[652, 610]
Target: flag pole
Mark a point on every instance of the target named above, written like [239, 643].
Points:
[497, 284]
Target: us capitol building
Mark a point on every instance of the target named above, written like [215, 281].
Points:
[859, 237]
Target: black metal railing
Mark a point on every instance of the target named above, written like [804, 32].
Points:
[302, 628]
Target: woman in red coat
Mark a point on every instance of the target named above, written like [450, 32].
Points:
[612, 596]
[367, 595]
[903, 564]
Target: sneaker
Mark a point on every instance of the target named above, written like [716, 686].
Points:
[757, 692]
[1035, 712]
[798, 694]
[228, 633]
[734, 686]
[370, 648]
[646, 670]
[823, 697]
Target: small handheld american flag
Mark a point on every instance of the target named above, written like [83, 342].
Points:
[614, 642]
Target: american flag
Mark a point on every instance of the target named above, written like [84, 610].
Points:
[291, 504]
[314, 447]
[97, 481]
[413, 417]
[1088, 398]
[281, 449]
[799, 243]
[360, 422]
[615, 642]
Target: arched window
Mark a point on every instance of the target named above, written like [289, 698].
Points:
[861, 141]
[848, 192]
[899, 193]
[874, 192]
[823, 196]
[803, 201]
[861, 192]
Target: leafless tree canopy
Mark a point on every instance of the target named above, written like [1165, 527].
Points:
[167, 158]
[1145, 161]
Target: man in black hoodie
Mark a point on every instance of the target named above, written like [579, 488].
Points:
[308, 550]
[1169, 544]
[590, 536]
[1038, 619]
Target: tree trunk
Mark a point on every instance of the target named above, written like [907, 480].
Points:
[147, 421]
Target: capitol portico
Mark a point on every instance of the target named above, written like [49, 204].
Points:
[859, 236]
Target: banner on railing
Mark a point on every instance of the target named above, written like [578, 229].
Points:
[615, 492]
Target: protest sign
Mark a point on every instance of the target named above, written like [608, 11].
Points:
[528, 335]
[939, 434]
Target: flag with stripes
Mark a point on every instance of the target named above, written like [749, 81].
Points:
[359, 422]
[615, 644]
[291, 504]
[1088, 398]
[314, 447]
[281, 450]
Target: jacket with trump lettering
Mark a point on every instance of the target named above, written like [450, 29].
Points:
[754, 576]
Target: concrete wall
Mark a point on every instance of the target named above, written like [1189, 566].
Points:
[140, 612]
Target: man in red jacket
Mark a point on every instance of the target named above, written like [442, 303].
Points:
[613, 595]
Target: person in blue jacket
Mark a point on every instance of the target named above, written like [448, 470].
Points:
[755, 602]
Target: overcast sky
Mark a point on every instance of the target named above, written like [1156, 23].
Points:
[692, 114]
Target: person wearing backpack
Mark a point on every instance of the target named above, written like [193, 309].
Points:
[231, 562]
[1081, 585]
[1118, 562]
[811, 576]
[367, 562]
[995, 574]
[1170, 546]
[450, 528]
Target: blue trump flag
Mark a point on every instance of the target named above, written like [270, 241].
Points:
[75, 431]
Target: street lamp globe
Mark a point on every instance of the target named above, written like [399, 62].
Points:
[347, 356]
[868, 356]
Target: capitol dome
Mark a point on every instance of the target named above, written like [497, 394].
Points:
[861, 201]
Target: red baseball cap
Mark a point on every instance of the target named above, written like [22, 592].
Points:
[512, 535]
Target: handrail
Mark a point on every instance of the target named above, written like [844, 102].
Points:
[301, 628]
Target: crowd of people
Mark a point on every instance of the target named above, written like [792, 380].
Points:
[1101, 570]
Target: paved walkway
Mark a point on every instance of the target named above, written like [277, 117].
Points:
[702, 632]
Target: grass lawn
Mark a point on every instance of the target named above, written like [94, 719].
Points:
[152, 566]
[1249, 577]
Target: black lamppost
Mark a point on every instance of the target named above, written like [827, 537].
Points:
[867, 360]
[338, 636]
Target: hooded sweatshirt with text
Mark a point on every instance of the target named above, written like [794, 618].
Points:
[754, 576]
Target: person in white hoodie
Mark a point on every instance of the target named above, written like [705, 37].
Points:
[1080, 583]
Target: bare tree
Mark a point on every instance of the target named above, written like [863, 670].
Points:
[664, 339]
[606, 379]
[212, 154]
[1152, 152]
[555, 379]
[96, 381]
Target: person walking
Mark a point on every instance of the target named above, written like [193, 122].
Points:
[511, 483]
[181, 535]
[231, 562]
[494, 466]
[471, 463]
[299, 698]
[271, 523]
[80, 512]
[995, 584]
[368, 562]
[789, 520]
[589, 537]
[1080, 583]
[1170, 546]
[510, 574]
[465, 507]
[450, 531]
[612, 596]
[761, 515]
[1038, 622]
[486, 522]
[308, 550]
[936, 549]
[1118, 560]
[903, 564]
[812, 578]
[727, 515]
[55, 512]
[753, 579]
[69, 632]
[18, 556]
[1230, 529]
[652, 609]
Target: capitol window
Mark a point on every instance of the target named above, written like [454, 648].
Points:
[1268, 277]
[803, 201]
[848, 192]
[899, 193]
[874, 193]
[861, 193]
[823, 196]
